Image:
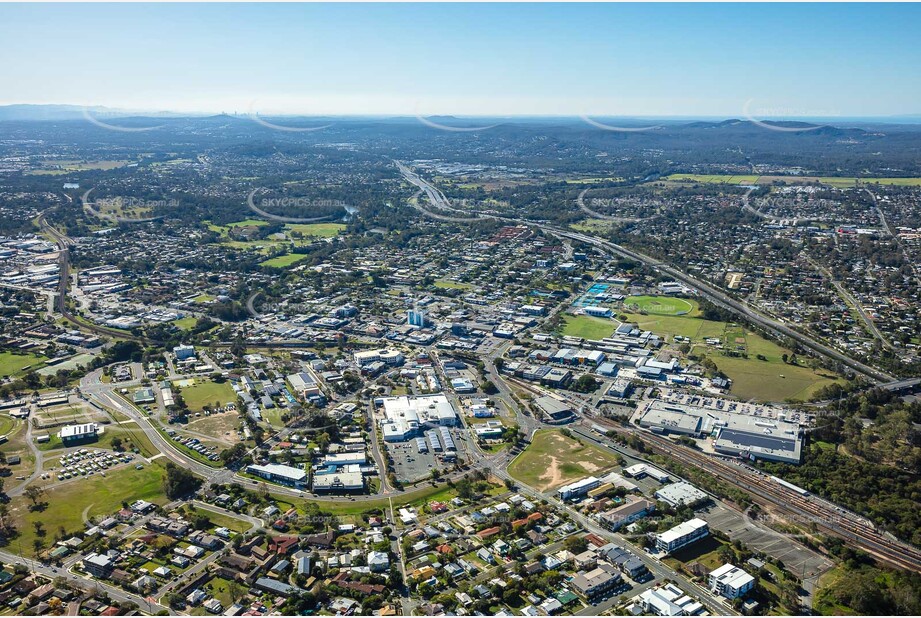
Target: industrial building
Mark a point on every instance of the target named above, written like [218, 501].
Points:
[554, 410]
[681, 494]
[681, 535]
[75, 434]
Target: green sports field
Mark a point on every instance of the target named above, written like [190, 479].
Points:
[661, 305]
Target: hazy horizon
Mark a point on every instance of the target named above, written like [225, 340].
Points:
[545, 60]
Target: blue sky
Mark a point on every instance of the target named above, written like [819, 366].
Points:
[466, 59]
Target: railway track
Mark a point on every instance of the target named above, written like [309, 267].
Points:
[857, 533]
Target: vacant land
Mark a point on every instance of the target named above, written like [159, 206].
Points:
[222, 427]
[283, 261]
[12, 364]
[70, 504]
[662, 305]
[588, 327]
[207, 393]
[553, 460]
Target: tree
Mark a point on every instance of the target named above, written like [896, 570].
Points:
[179, 481]
[34, 494]
[585, 384]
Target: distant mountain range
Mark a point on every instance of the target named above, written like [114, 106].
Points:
[46, 112]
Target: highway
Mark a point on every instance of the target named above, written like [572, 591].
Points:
[714, 295]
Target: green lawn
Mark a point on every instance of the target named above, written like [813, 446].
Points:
[187, 323]
[552, 460]
[588, 327]
[96, 496]
[12, 364]
[283, 261]
[661, 305]
[248, 222]
[206, 392]
[316, 230]
[452, 285]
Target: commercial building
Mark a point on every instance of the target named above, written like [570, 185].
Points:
[730, 581]
[597, 582]
[386, 356]
[406, 416]
[681, 535]
[74, 434]
[98, 565]
[349, 481]
[579, 488]
[633, 509]
[278, 473]
[742, 435]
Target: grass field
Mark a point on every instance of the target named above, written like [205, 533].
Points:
[588, 327]
[283, 261]
[187, 323]
[96, 496]
[662, 305]
[762, 380]
[248, 222]
[452, 285]
[12, 364]
[316, 230]
[552, 460]
[206, 392]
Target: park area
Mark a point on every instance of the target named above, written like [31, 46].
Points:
[206, 392]
[554, 459]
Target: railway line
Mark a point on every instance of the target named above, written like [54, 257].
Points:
[859, 533]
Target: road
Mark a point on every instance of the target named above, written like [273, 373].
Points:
[84, 582]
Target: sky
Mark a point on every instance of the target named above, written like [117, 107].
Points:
[762, 60]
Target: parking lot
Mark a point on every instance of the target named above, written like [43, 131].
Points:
[410, 465]
[796, 558]
[87, 462]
